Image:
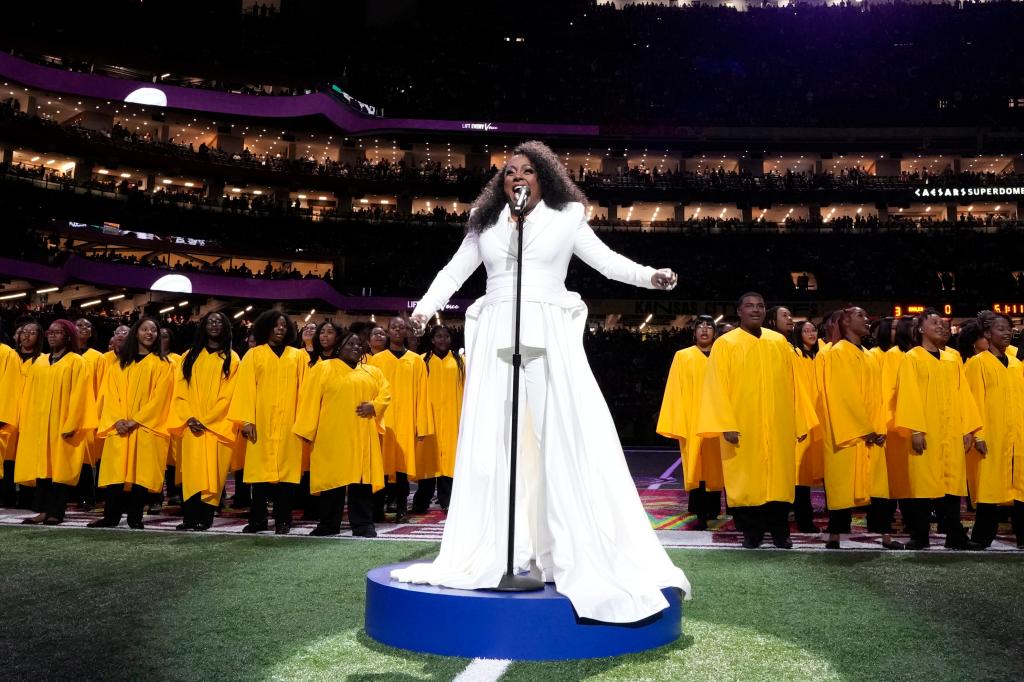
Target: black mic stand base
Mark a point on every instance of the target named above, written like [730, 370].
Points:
[519, 583]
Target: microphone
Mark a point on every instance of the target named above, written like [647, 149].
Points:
[522, 193]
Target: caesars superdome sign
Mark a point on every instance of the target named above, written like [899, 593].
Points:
[971, 192]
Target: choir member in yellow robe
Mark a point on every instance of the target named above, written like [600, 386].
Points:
[408, 420]
[343, 403]
[435, 454]
[995, 466]
[55, 415]
[86, 489]
[11, 380]
[810, 465]
[701, 460]
[264, 405]
[752, 402]
[137, 395]
[854, 424]
[203, 390]
[28, 345]
[935, 406]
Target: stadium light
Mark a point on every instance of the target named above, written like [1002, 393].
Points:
[167, 309]
[89, 304]
[183, 304]
[116, 297]
[238, 314]
[719, 319]
[8, 297]
[52, 289]
[248, 308]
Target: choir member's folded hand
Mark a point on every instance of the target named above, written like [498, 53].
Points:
[365, 410]
[801, 439]
[874, 439]
[249, 432]
[69, 435]
[664, 279]
[917, 442]
[968, 441]
[980, 446]
[121, 426]
[418, 324]
[732, 437]
[879, 439]
[195, 426]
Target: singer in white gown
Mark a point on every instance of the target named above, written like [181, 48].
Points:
[579, 520]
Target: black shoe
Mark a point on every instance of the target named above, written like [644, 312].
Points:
[53, 521]
[255, 527]
[783, 543]
[103, 523]
[365, 533]
[809, 528]
[204, 526]
[400, 517]
[34, 520]
[832, 544]
[136, 525]
[310, 516]
[184, 525]
[282, 528]
[752, 541]
[957, 543]
[894, 545]
[320, 531]
[916, 546]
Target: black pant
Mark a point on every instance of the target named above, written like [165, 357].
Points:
[803, 510]
[360, 507]
[880, 515]
[51, 498]
[310, 504]
[283, 495]
[120, 501]
[771, 517]
[986, 522]
[173, 490]
[197, 512]
[917, 516]
[425, 488]
[85, 491]
[398, 489]
[243, 491]
[8, 494]
[840, 521]
[704, 504]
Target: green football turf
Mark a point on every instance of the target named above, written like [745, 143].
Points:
[120, 605]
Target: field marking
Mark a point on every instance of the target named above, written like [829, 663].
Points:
[667, 476]
[483, 670]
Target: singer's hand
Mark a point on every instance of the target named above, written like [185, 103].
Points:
[418, 323]
[664, 279]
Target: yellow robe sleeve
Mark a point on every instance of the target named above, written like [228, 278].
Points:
[113, 395]
[974, 371]
[424, 415]
[81, 413]
[674, 418]
[381, 401]
[716, 412]
[11, 380]
[910, 407]
[969, 413]
[243, 402]
[844, 395]
[307, 417]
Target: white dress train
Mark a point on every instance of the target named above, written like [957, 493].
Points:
[579, 519]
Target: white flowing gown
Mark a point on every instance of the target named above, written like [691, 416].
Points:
[579, 520]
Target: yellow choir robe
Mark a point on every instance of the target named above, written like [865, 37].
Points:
[409, 415]
[94, 444]
[11, 380]
[810, 464]
[345, 448]
[749, 387]
[56, 399]
[142, 392]
[174, 446]
[933, 396]
[206, 458]
[435, 454]
[267, 395]
[854, 407]
[701, 458]
[997, 477]
[897, 442]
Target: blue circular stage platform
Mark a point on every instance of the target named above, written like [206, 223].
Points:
[531, 626]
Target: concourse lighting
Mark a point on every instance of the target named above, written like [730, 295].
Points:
[48, 290]
[238, 314]
[719, 319]
[34, 158]
[126, 175]
[648, 318]
[190, 184]
[323, 199]
[166, 181]
[183, 304]
[103, 171]
[8, 297]
[166, 310]
[248, 308]
[302, 196]
[95, 301]
[118, 297]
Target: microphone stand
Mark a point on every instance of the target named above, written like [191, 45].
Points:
[510, 582]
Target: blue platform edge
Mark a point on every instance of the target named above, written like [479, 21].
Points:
[523, 626]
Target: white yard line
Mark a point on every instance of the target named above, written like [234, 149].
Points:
[483, 670]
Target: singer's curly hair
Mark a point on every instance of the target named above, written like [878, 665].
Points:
[556, 187]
